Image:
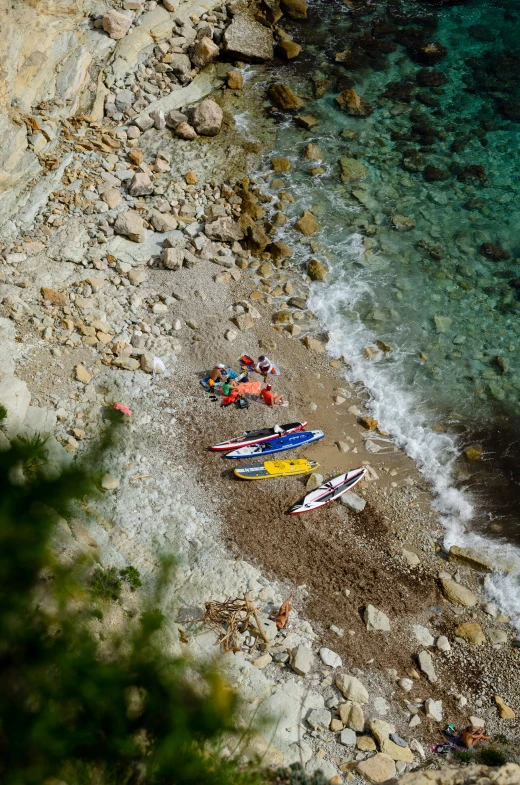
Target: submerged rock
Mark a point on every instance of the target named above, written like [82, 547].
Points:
[285, 98]
[352, 170]
[317, 271]
[296, 9]
[354, 104]
[494, 252]
[307, 224]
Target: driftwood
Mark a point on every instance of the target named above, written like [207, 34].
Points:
[283, 614]
[231, 618]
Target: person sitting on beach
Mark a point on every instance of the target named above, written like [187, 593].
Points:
[264, 366]
[218, 374]
[271, 398]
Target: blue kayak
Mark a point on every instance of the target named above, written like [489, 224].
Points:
[282, 443]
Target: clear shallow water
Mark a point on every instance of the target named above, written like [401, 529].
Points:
[449, 312]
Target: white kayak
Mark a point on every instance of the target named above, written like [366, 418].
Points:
[329, 491]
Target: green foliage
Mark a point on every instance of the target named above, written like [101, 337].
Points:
[132, 576]
[3, 413]
[464, 756]
[501, 738]
[129, 715]
[35, 454]
[490, 756]
[105, 583]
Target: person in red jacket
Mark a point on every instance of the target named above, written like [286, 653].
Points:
[271, 398]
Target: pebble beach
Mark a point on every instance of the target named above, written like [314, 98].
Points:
[169, 219]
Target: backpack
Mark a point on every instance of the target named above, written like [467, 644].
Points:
[242, 403]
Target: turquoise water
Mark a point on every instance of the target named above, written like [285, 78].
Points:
[444, 294]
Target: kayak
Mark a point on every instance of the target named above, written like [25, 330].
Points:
[255, 437]
[289, 442]
[329, 491]
[268, 469]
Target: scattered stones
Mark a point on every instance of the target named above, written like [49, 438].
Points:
[313, 345]
[353, 502]
[406, 684]
[351, 688]
[378, 768]
[172, 258]
[426, 665]
[82, 375]
[457, 594]
[505, 712]
[302, 660]
[191, 177]
[330, 658]
[314, 481]
[204, 52]
[185, 131]
[366, 744]
[411, 558]
[54, 297]
[141, 185]
[471, 632]
[375, 620]
[473, 558]
[288, 49]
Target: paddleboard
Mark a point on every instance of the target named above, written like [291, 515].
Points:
[289, 442]
[267, 469]
[255, 437]
[329, 491]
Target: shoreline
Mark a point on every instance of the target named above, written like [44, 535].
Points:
[318, 555]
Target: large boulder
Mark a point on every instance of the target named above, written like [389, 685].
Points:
[457, 594]
[307, 224]
[116, 24]
[131, 225]
[207, 118]
[352, 169]
[296, 9]
[317, 271]
[352, 103]
[285, 98]
[204, 52]
[225, 230]
[247, 39]
[378, 768]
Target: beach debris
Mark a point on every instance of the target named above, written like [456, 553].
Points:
[231, 618]
[282, 617]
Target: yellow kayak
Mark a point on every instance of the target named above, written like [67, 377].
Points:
[267, 469]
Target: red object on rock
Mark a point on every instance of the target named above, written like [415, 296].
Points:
[120, 407]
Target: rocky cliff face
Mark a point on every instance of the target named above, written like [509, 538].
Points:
[49, 57]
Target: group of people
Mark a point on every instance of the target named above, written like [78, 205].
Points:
[233, 386]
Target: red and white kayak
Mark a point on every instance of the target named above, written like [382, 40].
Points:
[256, 437]
[329, 491]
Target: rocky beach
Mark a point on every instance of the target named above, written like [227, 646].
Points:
[158, 201]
